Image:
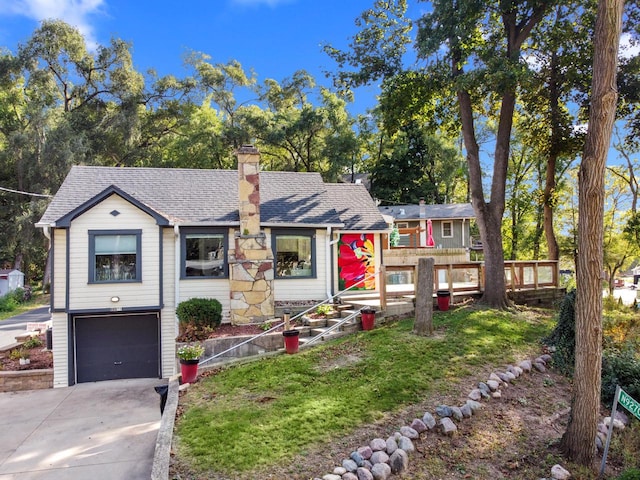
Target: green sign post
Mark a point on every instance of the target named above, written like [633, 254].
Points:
[624, 399]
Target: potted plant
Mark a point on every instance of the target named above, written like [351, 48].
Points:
[189, 356]
[24, 357]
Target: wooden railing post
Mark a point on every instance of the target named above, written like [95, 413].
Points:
[382, 281]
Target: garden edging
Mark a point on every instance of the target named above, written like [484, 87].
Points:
[19, 380]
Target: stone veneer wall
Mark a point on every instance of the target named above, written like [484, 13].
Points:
[251, 271]
[14, 381]
[251, 259]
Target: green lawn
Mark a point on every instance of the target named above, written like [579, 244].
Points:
[276, 408]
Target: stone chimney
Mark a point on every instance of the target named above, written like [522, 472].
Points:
[249, 189]
[423, 208]
[251, 260]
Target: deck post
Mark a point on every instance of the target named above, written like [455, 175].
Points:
[382, 281]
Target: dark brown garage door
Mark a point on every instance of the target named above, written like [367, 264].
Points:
[116, 347]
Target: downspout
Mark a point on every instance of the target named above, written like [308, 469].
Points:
[329, 265]
[176, 247]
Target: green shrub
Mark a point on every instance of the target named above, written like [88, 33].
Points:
[8, 303]
[563, 336]
[620, 367]
[631, 474]
[32, 342]
[199, 316]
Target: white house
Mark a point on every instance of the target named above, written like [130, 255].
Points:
[129, 244]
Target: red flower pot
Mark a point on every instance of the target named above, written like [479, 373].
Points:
[189, 370]
[291, 340]
[443, 300]
[368, 317]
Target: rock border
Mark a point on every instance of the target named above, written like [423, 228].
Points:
[381, 459]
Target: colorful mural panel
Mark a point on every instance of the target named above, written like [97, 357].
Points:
[356, 262]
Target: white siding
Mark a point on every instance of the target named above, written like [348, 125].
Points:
[86, 296]
[60, 345]
[306, 288]
[59, 286]
[168, 326]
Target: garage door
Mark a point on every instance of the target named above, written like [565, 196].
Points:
[116, 347]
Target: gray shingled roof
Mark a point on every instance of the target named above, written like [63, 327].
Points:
[434, 212]
[211, 196]
[355, 207]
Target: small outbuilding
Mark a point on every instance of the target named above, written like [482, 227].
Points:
[10, 280]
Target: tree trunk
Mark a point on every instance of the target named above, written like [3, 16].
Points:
[578, 440]
[424, 298]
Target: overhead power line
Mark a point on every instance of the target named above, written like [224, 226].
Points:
[26, 193]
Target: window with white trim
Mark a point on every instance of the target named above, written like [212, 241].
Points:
[114, 256]
[294, 253]
[447, 229]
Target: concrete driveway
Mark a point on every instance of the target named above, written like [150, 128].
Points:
[98, 431]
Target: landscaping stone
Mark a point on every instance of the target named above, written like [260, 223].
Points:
[364, 474]
[381, 471]
[617, 424]
[493, 385]
[357, 458]
[539, 367]
[623, 417]
[349, 465]
[540, 360]
[447, 426]
[365, 452]
[409, 433]
[418, 425]
[510, 376]
[475, 406]
[475, 394]
[443, 411]
[349, 476]
[483, 387]
[429, 421]
[399, 461]
[495, 377]
[456, 413]
[406, 444]
[379, 457]
[496, 394]
[392, 445]
[525, 365]
[377, 444]
[559, 473]
[546, 358]
[339, 471]
[466, 411]
[503, 377]
[331, 476]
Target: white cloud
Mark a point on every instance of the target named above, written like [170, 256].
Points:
[629, 48]
[74, 12]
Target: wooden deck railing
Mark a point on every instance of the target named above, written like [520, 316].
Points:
[469, 277]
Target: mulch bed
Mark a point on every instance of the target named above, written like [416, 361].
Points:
[38, 356]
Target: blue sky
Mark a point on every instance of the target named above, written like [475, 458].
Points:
[273, 37]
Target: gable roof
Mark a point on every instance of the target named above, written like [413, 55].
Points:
[355, 207]
[198, 197]
[449, 211]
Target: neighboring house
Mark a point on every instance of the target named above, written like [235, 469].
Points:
[437, 226]
[129, 244]
[10, 280]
